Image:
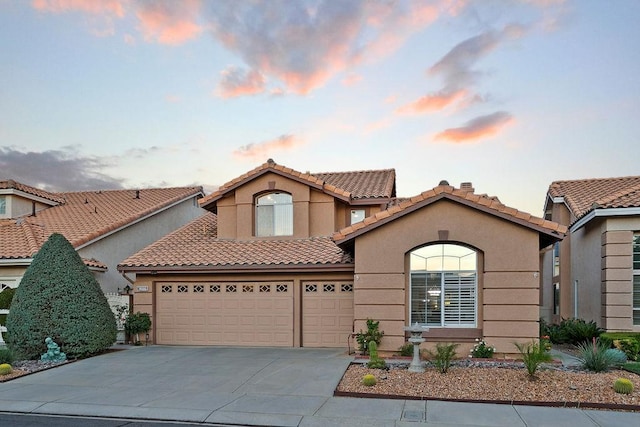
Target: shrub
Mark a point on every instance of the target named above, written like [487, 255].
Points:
[608, 338]
[572, 331]
[137, 323]
[617, 356]
[630, 346]
[59, 297]
[373, 334]
[406, 349]
[369, 380]
[533, 355]
[5, 302]
[594, 356]
[623, 386]
[443, 356]
[5, 369]
[6, 355]
[482, 350]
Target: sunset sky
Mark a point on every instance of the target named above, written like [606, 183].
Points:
[510, 95]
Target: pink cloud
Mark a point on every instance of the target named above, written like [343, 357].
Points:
[236, 82]
[303, 46]
[477, 128]
[111, 7]
[266, 148]
[352, 79]
[170, 23]
[432, 102]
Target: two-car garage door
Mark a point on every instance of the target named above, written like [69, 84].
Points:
[252, 313]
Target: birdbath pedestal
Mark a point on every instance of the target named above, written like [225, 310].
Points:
[416, 339]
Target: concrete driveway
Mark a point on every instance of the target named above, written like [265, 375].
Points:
[263, 386]
[252, 386]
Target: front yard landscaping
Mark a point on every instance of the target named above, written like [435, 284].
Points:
[504, 382]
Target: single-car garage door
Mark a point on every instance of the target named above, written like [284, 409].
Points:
[327, 313]
[225, 313]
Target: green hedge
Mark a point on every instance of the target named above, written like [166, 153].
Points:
[629, 342]
[58, 297]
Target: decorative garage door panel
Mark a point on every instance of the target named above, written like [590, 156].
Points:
[327, 313]
[225, 313]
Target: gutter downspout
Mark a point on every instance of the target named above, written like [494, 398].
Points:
[124, 274]
[575, 299]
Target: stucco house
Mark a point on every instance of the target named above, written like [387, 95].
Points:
[594, 273]
[284, 258]
[105, 226]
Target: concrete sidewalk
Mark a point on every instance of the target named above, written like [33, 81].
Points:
[252, 386]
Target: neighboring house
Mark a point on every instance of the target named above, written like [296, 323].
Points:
[294, 259]
[594, 273]
[104, 226]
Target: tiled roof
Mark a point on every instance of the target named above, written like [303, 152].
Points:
[479, 201]
[366, 184]
[363, 184]
[14, 185]
[581, 195]
[196, 246]
[85, 216]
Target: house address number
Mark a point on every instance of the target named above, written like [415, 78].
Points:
[142, 288]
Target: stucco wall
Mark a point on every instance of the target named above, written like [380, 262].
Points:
[585, 269]
[19, 206]
[508, 278]
[114, 248]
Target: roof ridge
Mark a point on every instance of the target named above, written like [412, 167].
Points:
[613, 178]
[354, 171]
[113, 190]
[30, 189]
[481, 200]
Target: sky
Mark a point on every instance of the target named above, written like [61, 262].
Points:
[508, 95]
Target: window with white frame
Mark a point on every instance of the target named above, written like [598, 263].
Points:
[443, 286]
[3, 205]
[636, 279]
[274, 215]
[556, 259]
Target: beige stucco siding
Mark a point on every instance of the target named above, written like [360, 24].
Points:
[508, 265]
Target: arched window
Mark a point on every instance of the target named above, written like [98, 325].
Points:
[274, 215]
[443, 286]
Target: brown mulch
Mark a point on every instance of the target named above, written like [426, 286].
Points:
[497, 384]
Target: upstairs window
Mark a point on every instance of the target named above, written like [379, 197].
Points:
[3, 205]
[274, 215]
[357, 215]
[443, 286]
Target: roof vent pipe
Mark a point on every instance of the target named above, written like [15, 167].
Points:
[137, 194]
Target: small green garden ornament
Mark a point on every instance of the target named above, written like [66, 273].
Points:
[53, 353]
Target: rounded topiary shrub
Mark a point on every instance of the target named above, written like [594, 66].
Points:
[58, 297]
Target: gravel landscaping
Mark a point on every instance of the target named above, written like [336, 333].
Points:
[497, 381]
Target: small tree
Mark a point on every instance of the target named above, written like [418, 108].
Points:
[137, 323]
[58, 297]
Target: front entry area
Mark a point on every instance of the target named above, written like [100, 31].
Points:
[254, 313]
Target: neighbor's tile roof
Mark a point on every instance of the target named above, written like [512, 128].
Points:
[581, 195]
[196, 246]
[363, 184]
[345, 185]
[14, 185]
[85, 216]
[479, 201]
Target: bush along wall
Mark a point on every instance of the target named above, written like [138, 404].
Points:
[58, 297]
